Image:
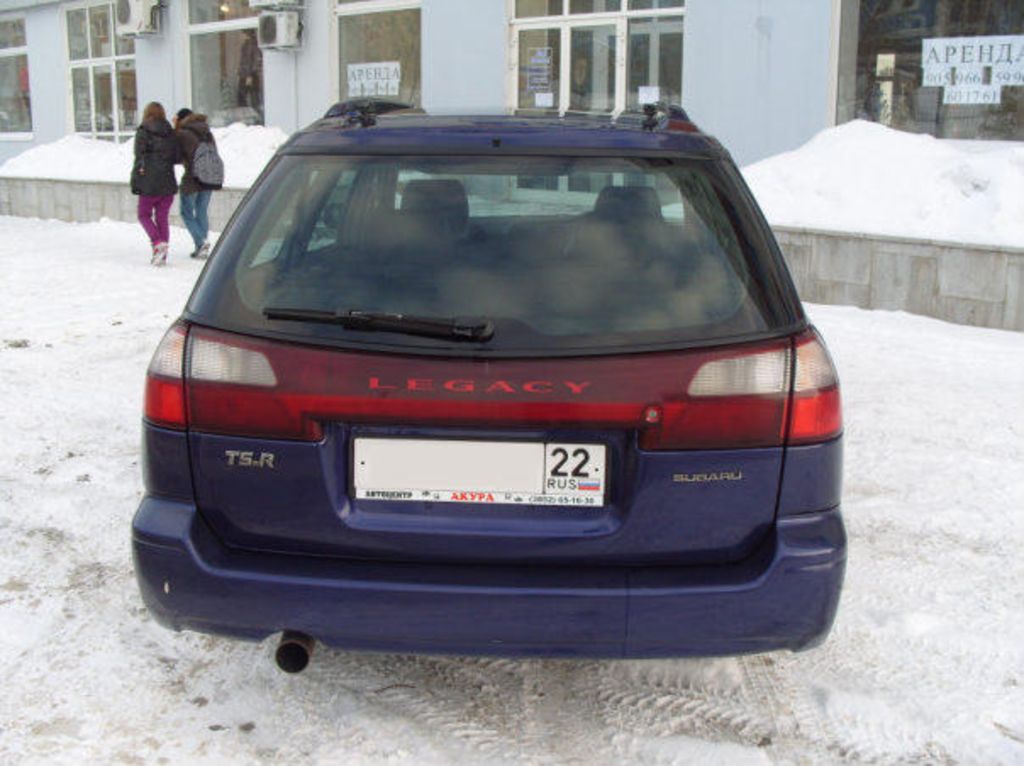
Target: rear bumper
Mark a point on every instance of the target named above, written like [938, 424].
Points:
[784, 596]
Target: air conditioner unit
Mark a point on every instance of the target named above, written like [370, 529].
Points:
[138, 17]
[279, 4]
[280, 29]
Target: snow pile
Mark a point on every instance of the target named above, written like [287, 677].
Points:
[925, 664]
[865, 177]
[73, 158]
[244, 148]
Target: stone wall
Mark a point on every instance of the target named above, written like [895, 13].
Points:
[91, 201]
[967, 284]
[961, 283]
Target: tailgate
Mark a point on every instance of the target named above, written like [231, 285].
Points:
[382, 457]
[659, 507]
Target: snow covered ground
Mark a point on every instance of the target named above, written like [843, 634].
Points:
[925, 665]
[865, 177]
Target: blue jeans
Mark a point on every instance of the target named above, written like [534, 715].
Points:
[193, 212]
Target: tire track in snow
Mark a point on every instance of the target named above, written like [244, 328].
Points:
[686, 697]
[803, 733]
[563, 712]
[544, 712]
[465, 702]
[612, 712]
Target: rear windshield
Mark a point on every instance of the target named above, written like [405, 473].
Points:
[557, 254]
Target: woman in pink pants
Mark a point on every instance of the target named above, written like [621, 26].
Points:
[156, 151]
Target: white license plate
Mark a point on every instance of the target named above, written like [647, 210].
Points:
[462, 471]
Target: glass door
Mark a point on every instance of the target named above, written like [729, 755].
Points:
[598, 57]
[540, 67]
[586, 80]
[592, 68]
[655, 61]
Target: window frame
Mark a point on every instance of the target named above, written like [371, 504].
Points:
[213, 27]
[120, 133]
[340, 10]
[21, 50]
[565, 22]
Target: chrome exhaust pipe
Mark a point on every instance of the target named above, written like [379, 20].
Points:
[294, 651]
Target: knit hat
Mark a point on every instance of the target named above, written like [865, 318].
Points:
[183, 113]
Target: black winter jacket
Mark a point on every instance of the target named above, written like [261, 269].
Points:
[192, 131]
[156, 152]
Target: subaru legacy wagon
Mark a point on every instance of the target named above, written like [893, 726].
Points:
[495, 385]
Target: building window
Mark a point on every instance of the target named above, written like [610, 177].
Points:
[226, 62]
[15, 104]
[568, 54]
[103, 94]
[655, 60]
[379, 50]
[951, 68]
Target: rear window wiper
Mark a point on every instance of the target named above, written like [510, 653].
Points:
[379, 321]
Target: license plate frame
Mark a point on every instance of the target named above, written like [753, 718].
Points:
[480, 471]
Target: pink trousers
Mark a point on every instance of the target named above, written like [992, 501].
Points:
[153, 212]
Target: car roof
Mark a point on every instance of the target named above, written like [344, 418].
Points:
[412, 132]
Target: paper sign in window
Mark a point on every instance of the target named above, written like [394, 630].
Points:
[649, 94]
[381, 78]
[538, 73]
[973, 70]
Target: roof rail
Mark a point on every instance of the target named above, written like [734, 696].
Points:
[364, 111]
[662, 116]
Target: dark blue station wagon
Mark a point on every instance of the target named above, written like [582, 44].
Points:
[496, 385]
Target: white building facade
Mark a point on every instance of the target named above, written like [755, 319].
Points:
[762, 75]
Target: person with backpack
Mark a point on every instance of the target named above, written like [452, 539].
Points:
[204, 174]
[152, 179]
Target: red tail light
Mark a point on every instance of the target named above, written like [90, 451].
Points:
[736, 398]
[742, 400]
[817, 412]
[706, 399]
[165, 385]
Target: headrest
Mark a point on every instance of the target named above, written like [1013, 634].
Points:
[442, 200]
[628, 203]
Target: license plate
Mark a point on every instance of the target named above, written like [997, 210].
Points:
[463, 471]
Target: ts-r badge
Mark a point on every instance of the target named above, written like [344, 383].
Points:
[704, 478]
[244, 459]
